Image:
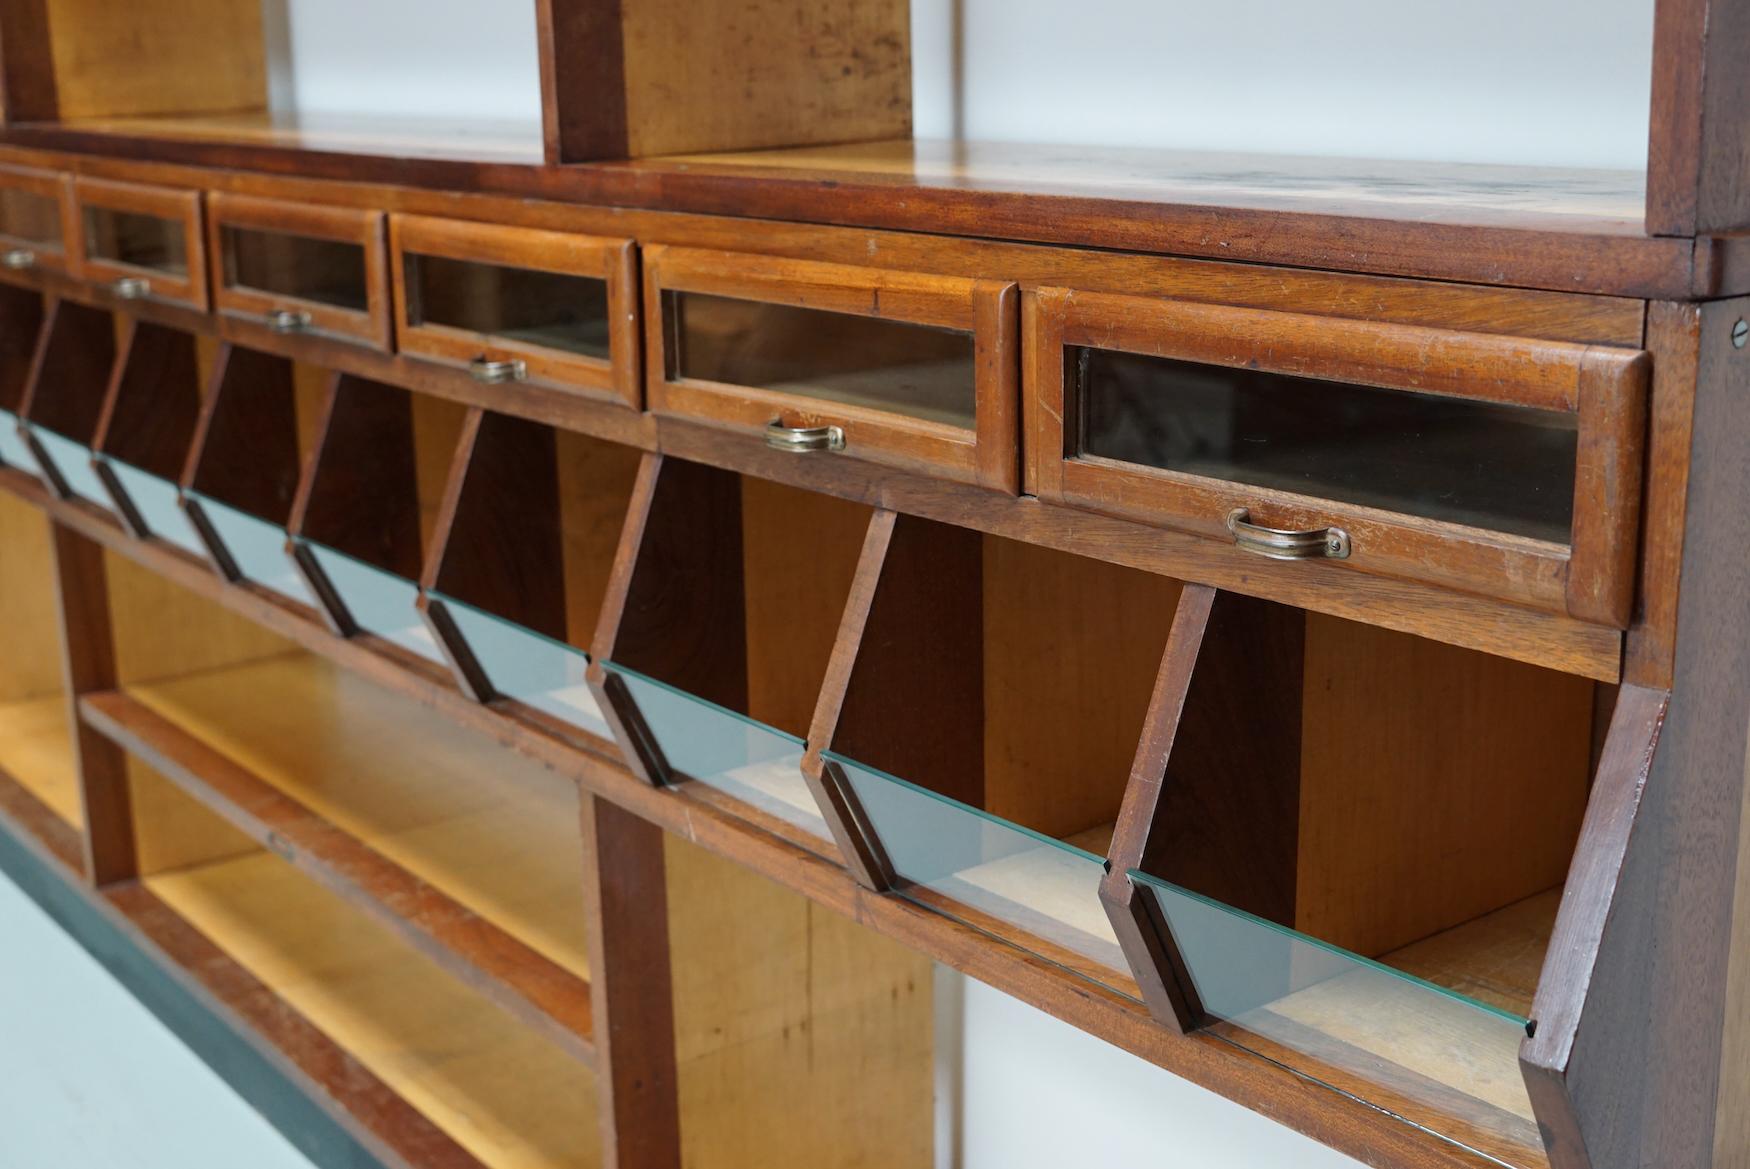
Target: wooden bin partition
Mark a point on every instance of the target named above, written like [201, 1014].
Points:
[521, 559]
[975, 735]
[727, 596]
[63, 402]
[1342, 848]
[367, 508]
[147, 430]
[22, 314]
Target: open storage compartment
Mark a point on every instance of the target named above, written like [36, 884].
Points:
[63, 402]
[526, 548]
[148, 428]
[728, 594]
[977, 735]
[367, 510]
[21, 327]
[1345, 850]
[242, 476]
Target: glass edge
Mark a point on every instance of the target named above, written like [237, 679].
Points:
[517, 626]
[615, 667]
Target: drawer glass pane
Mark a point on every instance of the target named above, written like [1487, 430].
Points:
[1504, 468]
[981, 869]
[258, 548]
[1269, 987]
[30, 218]
[14, 451]
[916, 370]
[139, 241]
[379, 602]
[156, 502]
[535, 670]
[547, 309]
[759, 765]
[324, 271]
[73, 461]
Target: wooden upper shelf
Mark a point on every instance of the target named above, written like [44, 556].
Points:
[1572, 230]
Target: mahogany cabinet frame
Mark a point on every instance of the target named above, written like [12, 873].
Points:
[182, 207]
[51, 185]
[1591, 580]
[366, 229]
[613, 261]
[986, 455]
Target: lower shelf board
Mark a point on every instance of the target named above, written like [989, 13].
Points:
[507, 1096]
[36, 749]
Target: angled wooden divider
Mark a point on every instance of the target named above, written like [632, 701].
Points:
[716, 633]
[147, 429]
[63, 399]
[519, 561]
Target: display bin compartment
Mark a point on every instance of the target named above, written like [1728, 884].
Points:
[142, 242]
[1499, 465]
[525, 550]
[906, 368]
[1345, 849]
[367, 510]
[36, 214]
[729, 592]
[513, 304]
[987, 701]
[21, 328]
[255, 429]
[301, 267]
[63, 402]
[147, 430]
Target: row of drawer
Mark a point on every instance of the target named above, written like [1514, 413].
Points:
[1498, 465]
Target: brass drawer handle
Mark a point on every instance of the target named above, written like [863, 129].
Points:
[801, 439]
[287, 321]
[1311, 544]
[18, 259]
[132, 288]
[494, 373]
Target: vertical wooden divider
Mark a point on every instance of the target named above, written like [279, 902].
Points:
[22, 319]
[631, 988]
[88, 656]
[70, 380]
[1233, 711]
[151, 411]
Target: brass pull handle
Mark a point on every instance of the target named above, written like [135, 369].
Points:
[1310, 544]
[493, 373]
[287, 321]
[132, 288]
[801, 439]
[18, 259]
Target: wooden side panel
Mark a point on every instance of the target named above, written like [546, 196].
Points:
[802, 1038]
[1698, 161]
[31, 664]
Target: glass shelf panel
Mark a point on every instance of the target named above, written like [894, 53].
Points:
[1269, 988]
[380, 602]
[981, 869]
[1503, 468]
[158, 505]
[549, 310]
[73, 461]
[14, 451]
[759, 765]
[921, 371]
[258, 548]
[530, 667]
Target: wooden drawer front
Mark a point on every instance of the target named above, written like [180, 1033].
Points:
[916, 370]
[299, 268]
[1491, 464]
[143, 242]
[36, 214]
[514, 304]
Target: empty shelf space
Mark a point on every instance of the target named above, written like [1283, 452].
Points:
[36, 750]
[472, 856]
[1495, 959]
[501, 1092]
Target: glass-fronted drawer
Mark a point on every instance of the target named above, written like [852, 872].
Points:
[1492, 464]
[302, 268]
[142, 242]
[513, 304]
[904, 368]
[36, 207]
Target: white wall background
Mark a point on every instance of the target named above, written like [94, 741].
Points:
[1369, 78]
